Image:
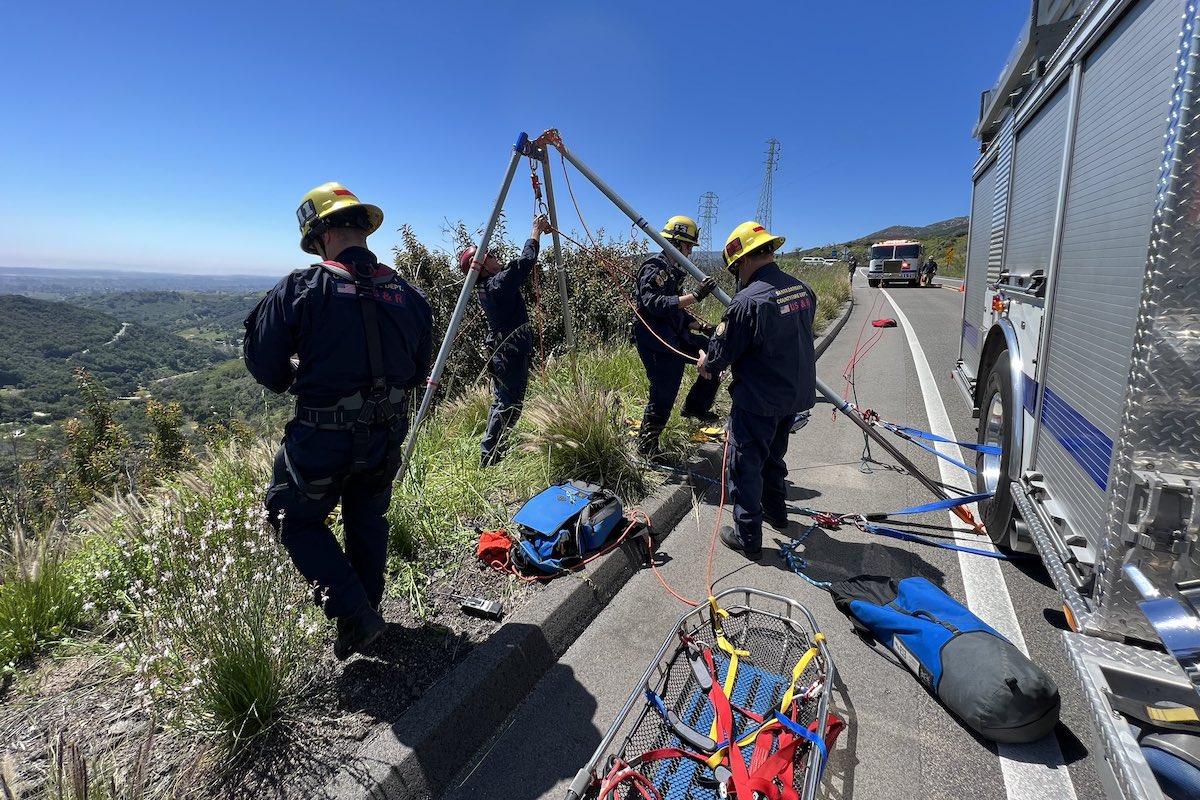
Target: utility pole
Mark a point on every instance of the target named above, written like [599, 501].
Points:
[764, 199]
[708, 220]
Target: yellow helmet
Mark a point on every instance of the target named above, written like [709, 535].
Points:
[746, 238]
[325, 201]
[682, 229]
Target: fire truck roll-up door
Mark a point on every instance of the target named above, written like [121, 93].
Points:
[982, 201]
[1127, 84]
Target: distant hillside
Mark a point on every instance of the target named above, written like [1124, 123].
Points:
[211, 316]
[42, 342]
[956, 226]
[61, 284]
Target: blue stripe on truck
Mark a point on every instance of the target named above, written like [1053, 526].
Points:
[1086, 443]
[970, 335]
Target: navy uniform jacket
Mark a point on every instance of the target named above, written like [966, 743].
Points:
[766, 337]
[315, 314]
[659, 285]
[500, 296]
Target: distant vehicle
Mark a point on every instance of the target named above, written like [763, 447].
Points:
[1079, 354]
[813, 260]
[895, 260]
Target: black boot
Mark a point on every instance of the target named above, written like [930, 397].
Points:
[356, 631]
[649, 446]
[705, 417]
[730, 538]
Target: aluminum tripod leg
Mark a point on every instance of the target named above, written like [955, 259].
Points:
[519, 150]
[552, 137]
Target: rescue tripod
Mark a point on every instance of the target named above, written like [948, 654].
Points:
[538, 149]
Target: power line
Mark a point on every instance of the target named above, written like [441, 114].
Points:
[708, 220]
[764, 199]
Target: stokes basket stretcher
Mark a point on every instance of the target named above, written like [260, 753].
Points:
[749, 661]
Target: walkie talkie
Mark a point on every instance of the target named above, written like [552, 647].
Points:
[477, 606]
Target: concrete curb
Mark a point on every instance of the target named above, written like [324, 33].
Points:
[418, 755]
[424, 750]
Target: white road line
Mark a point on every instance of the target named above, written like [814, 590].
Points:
[1031, 771]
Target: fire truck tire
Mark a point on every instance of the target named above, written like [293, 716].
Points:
[996, 427]
[874, 284]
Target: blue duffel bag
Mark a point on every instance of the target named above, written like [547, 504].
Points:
[976, 673]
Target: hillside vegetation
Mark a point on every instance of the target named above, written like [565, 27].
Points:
[42, 343]
[147, 552]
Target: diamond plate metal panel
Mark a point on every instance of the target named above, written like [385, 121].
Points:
[1160, 426]
[1127, 771]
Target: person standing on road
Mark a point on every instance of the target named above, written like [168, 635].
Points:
[766, 339]
[509, 338]
[667, 336]
[928, 270]
[364, 338]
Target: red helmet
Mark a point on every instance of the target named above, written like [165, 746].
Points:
[465, 257]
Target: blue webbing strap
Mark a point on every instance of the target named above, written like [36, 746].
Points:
[937, 505]
[913, 434]
[912, 537]
[917, 433]
[805, 733]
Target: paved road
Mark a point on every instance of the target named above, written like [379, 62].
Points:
[901, 742]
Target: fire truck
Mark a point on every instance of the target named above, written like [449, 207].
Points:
[895, 260]
[1080, 356]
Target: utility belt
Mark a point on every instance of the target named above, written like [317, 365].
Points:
[346, 412]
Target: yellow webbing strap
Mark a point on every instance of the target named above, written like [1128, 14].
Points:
[726, 646]
[801, 665]
[1175, 715]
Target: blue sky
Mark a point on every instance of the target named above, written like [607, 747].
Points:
[181, 136]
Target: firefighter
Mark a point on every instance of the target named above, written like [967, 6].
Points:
[665, 335]
[364, 340]
[509, 338]
[766, 340]
[928, 270]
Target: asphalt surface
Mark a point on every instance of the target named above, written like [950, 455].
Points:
[900, 742]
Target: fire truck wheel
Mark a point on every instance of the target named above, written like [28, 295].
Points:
[995, 428]
[874, 284]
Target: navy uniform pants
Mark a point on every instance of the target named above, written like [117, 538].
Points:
[311, 475]
[510, 379]
[756, 471]
[664, 370]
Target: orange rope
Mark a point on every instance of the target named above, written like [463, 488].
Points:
[712, 547]
[610, 266]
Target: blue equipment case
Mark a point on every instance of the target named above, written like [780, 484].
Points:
[566, 523]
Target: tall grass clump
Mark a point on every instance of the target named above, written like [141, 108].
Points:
[39, 598]
[580, 434]
[86, 772]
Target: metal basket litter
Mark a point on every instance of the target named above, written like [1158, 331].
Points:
[779, 661]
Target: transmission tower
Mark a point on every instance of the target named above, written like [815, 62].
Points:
[708, 220]
[764, 199]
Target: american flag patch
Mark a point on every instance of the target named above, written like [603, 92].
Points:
[345, 288]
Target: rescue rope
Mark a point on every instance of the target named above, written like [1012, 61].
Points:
[507, 565]
[829, 521]
[612, 267]
[538, 208]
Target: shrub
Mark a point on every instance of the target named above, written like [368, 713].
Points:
[581, 435]
[39, 600]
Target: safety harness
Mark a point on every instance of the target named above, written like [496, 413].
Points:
[378, 404]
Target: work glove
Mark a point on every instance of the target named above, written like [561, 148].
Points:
[705, 288]
[704, 328]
